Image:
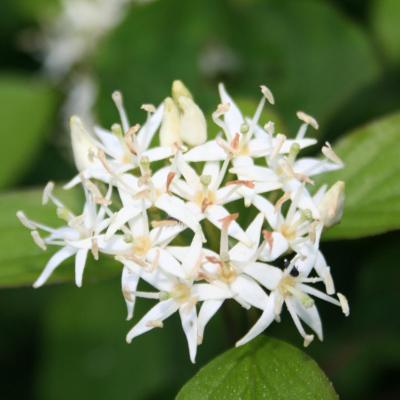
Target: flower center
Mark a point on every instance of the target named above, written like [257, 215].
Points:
[204, 198]
[141, 245]
[289, 232]
[181, 293]
[286, 285]
[228, 272]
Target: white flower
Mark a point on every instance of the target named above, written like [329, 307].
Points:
[155, 193]
[116, 152]
[292, 289]
[227, 271]
[244, 139]
[179, 293]
[83, 233]
[204, 195]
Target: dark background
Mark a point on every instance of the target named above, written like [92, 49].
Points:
[337, 60]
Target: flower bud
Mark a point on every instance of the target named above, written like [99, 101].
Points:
[83, 144]
[170, 125]
[178, 90]
[193, 129]
[332, 204]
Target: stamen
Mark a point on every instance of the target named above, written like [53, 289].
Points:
[308, 119]
[221, 175]
[249, 184]
[119, 103]
[25, 221]
[38, 240]
[307, 338]
[148, 108]
[95, 249]
[280, 139]
[328, 152]
[47, 192]
[268, 238]
[147, 295]
[344, 304]
[130, 139]
[267, 94]
[224, 246]
[269, 127]
[170, 178]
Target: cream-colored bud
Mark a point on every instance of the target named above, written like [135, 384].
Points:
[170, 125]
[178, 90]
[193, 129]
[83, 144]
[332, 204]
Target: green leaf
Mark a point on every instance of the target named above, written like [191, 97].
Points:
[309, 54]
[265, 368]
[26, 110]
[371, 155]
[385, 15]
[21, 261]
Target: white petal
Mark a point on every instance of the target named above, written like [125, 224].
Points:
[241, 252]
[262, 323]
[189, 325]
[188, 173]
[268, 209]
[114, 246]
[146, 133]
[233, 117]
[292, 311]
[250, 291]
[158, 313]
[314, 166]
[216, 213]
[287, 144]
[310, 316]
[120, 218]
[207, 311]
[167, 262]
[159, 178]
[254, 173]
[268, 275]
[80, 261]
[192, 260]
[177, 209]
[161, 236]
[158, 153]
[129, 282]
[112, 145]
[209, 151]
[53, 263]
[212, 168]
[279, 246]
[207, 291]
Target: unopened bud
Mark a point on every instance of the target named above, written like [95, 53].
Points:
[83, 145]
[179, 89]
[170, 125]
[332, 204]
[193, 127]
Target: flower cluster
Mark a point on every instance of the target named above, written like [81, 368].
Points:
[150, 188]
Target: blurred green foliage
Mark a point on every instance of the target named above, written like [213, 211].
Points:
[337, 60]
